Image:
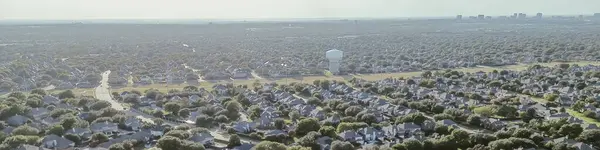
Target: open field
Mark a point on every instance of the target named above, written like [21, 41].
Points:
[310, 79]
[582, 117]
[77, 91]
[519, 67]
[208, 84]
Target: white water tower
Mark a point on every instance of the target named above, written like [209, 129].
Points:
[335, 57]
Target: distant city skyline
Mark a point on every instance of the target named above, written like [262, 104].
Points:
[282, 9]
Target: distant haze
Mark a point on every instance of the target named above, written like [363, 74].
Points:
[278, 9]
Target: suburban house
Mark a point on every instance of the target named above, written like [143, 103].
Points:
[107, 128]
[371, 134]
[17, 120]
[351, 136]
[8, 130]
[30, 147]
[56, 142]
[133, 124]
[48, 99]
[203, 138]
[244, 127]
[324, 142]
[493, 124]
[244, 146]
[39, 113]
[275, 133]
[84, 133]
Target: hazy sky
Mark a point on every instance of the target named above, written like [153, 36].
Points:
[239, 9]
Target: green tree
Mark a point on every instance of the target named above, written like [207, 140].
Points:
[158, 121]
[169, 142]
[327, 131]
[56, 129]
[279, 123]
[204, 121]
[307, 125]
[353, 110]
[192, 146]
[184, 112]
[412, 144]
[68, 123]
[345, 126]
[529, 114]
[578, 106]
[99, 138]
[294, 115]
[427, 74]
[117, 146]
[34, 102]
[443, 116]
[178, 134]
[507, 111]
[100, 105]
[310, 140]
[234, 140]
[172, 107]
[25, 130]
[511, 143]
[341, 145]
[298, 148]
[474, 120]
[399, 146]
[551, 97]
[571, 130]
[268, 145]
[495, 84]
[485, 111]
[41, 92]
[416, 118]
[190, 89]
[233, 106]
[481, 138]
[522, 133]
[461, 138]
[66, 94]
[255, 112]
[18, 140]
[18, 95]
[74, 138]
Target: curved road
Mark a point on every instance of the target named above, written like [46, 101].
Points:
[103, 93]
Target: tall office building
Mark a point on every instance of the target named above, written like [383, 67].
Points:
[458, 17]
[538, 15]
[522, 16]
[480, 17]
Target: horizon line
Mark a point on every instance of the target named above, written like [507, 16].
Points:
[268, 19]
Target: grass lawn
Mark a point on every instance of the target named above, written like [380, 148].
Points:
[536, 99]
[160, 87]
[582, 117]
[78, 91]
[519, 67]
[208, 84]
[327, 73]
[329, 76]
[126, 105]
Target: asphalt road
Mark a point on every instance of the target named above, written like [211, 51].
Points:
[103, 93]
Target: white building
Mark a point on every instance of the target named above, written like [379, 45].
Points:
[335, 57]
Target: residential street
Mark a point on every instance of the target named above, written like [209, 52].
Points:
[103, 93]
